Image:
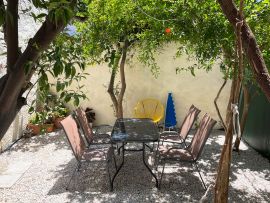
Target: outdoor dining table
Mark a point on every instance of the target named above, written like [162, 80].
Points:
[134, 130]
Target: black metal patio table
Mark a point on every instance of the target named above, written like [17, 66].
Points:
[134, 130]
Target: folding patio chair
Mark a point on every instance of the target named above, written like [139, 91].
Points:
[83, 154]
[192, 153]
[179, 138]
[90, 136]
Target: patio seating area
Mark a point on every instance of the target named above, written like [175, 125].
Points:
[51, 163]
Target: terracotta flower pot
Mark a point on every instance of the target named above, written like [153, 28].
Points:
[48, 127]
[35, 128]
[57, 122]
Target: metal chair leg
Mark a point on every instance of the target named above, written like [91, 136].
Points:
[150, 148]
[156, 160]
[161, 176]
[200, 175]
[75, 170]
[109, 174]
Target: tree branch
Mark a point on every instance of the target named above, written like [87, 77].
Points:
[111, 85]
[3, 9]
[250, 46]
[217, 109]
[229, 9]
[12, 39]
[16, 80]
[123, 79]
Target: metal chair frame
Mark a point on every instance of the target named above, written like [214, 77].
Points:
[205, 127]
[80, 117]
[184, 131]
[79, 158]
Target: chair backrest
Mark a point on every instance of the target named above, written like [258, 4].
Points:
[149, 108]
[199, 139]
[83, 122]
[188, 121]
[75, 140]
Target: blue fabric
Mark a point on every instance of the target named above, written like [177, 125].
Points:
[170, 119]
[70, 30]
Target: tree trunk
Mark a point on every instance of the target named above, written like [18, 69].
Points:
[240, 70]
[118, 99]
[216, 105]
[13, 83]
[222, 180]
[123, 80]
[251, 47]
[111, 84]
[12, 33]
[262, 76]
[223, 171]
[231, 99]
[247, 100]
[243, 117]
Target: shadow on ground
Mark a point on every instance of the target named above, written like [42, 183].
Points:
[134, 183]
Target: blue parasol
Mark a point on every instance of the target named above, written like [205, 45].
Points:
[170, 119]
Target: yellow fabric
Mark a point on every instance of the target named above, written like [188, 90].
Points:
[149, 108]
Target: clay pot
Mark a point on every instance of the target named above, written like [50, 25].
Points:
[35, 128]
[48, 127]
[57, 122]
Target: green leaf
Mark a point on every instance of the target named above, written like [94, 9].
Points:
[58, 86]
[42, 15]
[73, 72]
[76, 101]
[57, 68]
[192, 71]
[2, 15]
[31, 110]
[68, 70]
[62, 95]
[67, 98]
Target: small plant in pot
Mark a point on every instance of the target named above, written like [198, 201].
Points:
[48, 125]
[90, 115]
[40, 122]
[59, 113]
[35, 123]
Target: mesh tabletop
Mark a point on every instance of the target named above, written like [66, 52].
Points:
[134, 130]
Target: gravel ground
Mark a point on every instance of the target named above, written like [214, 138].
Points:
[53, 163]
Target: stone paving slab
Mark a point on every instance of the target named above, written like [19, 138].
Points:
[11, 171]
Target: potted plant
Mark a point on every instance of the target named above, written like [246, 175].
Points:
[59, 113]
[34, 123]
[90, 115]
[41, 122]
[48, 124]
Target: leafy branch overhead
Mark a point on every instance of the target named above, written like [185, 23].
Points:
[63, 61]
[22, 64]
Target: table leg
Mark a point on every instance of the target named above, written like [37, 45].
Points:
[148, 166]
[119, 168]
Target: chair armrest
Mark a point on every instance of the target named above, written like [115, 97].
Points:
[166, 133]
[102, 129]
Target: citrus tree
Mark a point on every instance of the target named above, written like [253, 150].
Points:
[115, 29]
[22, 64]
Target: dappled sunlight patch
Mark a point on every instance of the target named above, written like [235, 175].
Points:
[217, 138]
[252, 182]
[53, 163]
[243, 146]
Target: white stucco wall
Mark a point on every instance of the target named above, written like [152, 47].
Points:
[187, 89]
